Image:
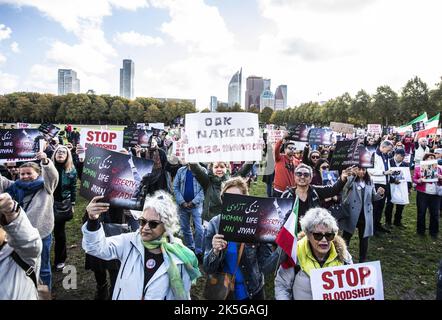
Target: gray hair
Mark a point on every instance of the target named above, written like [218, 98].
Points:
[387, 143]
[422, 139]
[318, 216]
[304, 166]
[166, 207]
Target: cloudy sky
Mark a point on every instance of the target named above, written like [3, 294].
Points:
[191, 48]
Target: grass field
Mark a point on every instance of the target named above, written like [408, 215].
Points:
[409, 263]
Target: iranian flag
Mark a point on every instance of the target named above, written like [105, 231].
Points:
[287, 236]
[430, 127]
[408, 127]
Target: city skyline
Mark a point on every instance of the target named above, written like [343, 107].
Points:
[127, 74]
[189, 49]
[68, 82]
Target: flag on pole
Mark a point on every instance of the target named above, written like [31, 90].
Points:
[287, 237]
[408, 127]
[430, 127]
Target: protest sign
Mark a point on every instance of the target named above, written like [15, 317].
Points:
[156, 125]
[320, 136]
[344, 155]
[49, 129]
[274, 135]
[21, 125]
[299, 132]
[19, 144]
[133, 137]
[252, 219]
[141, 126]
[401, 174]
[329, 178]
[342, 127]
[107, 139]
[362, 281]
[364, 157]
[116, 176]
[418, 126]
[428, 170]
[374, 129]
[229, 136]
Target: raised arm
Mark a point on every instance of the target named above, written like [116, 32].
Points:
[200, 175]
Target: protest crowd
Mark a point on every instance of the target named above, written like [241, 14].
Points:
[168, 205]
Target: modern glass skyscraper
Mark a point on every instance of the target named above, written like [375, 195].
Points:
[254, 88]
[235, 89]
[213, 103]
[281, 98]
[68, 82]
[267, 99]
[127, 79]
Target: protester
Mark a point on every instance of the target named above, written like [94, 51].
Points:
[421, 150]
[310, 157]
[358, 201]
[285, 165]
[64, 197]
[397, 161]
[255, 260]
[211, 182]
[155, 264]
[321, 166]
[189, 195]
[319, 247]
[311, 196]
[34, 193]
[19, 243]
[427, 198]
[12, 172]
[380, 174]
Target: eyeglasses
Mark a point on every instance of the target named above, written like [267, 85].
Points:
[329, 236]
[152, 223]
[324, 167]
[302, 174]
[291, 148]
[315, 157]
[62, 152]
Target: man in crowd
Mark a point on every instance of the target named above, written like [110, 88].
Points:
[421, 150]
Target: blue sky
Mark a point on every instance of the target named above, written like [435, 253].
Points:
[191, 48]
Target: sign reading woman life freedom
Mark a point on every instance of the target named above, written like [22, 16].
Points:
[19, 144]
[253, 219]
[223, 136]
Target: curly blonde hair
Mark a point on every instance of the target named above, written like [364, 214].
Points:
[163, 204]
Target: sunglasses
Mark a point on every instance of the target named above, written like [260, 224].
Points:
[315, 157]
[324, 167]
[291, 148]
[329, 236]
[152, 223]
[304, 174]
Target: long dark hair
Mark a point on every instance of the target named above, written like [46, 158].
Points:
[366, 178]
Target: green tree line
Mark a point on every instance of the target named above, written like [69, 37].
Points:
[33, 107]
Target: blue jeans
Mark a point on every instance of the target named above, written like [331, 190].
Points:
[191, 242]
[45, 267]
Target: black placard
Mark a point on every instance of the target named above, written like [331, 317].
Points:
[299, 132]
[49, 129]
[320, 136]
[253, 219]
[116, 176]
[418, 126]
[345, 155]
[133, 137]
[16, 144]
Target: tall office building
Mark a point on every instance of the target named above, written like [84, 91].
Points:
[68, 82]
[127, 79]
[267, 99]
[235, 89]
[213, 103]
[254, 88]
[267, 84]
[281, 98]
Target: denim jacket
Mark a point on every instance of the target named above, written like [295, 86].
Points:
[179, 183]
[257, 260]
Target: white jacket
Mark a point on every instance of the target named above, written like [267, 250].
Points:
[419, 154]
[25, 240]
[128, 248]
[377, 173]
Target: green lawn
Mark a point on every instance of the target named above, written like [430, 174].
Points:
[409, 263]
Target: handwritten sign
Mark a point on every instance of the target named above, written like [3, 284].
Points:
[374, 129]
[228, 136]
[116, 176]
[361, 281]
[252, 219]
[107, 139]
[342, 127]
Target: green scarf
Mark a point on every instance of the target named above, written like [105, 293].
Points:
[184, 254]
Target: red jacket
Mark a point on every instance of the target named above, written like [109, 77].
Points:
[284, 169]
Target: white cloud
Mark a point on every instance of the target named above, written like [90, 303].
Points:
[2, 58]
[14, 47]
[8, 82]
[5, 32]
[135, 39]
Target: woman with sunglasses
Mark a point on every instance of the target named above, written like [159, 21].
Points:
[310, 157]
[154, 264]
[319, 246]
[255, 261]
[358, 202]
[64, 194]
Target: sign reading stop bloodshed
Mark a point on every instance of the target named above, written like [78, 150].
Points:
[361, 281]
[107, 139]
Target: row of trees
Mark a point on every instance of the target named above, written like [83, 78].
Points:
[385, 107]
[88, 108]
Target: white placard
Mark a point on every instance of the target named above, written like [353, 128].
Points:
[274, 135]
[405, 173]
[374, 128]
[107, 139]
[156, 125]
[222, 136]
[428, 171]
[21, 125]
[361, 281]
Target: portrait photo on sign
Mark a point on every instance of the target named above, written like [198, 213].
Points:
[429, 171]
[366, 157]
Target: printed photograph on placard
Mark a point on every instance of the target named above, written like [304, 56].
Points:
[329, 177]
[429, 171]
